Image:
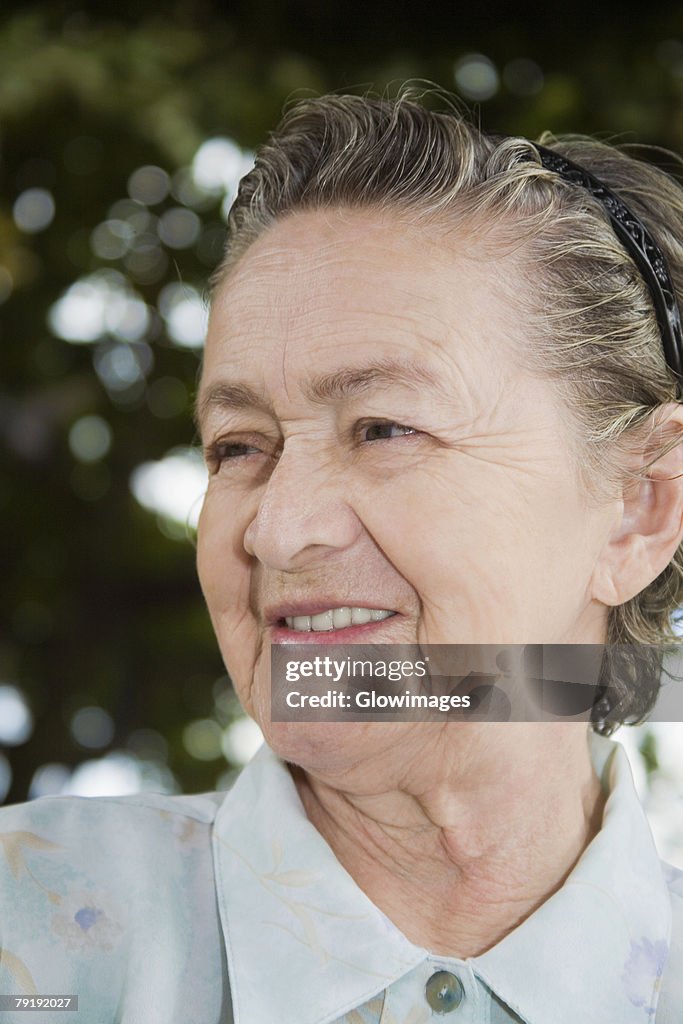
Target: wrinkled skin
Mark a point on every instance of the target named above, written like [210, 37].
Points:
[465, 517]
[451, 498]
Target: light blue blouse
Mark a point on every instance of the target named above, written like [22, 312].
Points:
[150, 907]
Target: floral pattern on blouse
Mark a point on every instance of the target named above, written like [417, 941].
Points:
[151, 907]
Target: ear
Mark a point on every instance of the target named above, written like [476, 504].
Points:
[649, 527]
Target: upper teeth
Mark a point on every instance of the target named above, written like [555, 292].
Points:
[335, 618]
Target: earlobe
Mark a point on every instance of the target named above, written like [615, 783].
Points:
[649, 529]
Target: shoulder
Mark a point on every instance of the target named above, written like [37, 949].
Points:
[93, 833]
[101, 838]
[199, 806]
[670, 1004]
[87, 884]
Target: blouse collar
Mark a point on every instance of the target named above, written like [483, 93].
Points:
[305, 944]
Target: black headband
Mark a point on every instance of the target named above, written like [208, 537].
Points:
[640, 245]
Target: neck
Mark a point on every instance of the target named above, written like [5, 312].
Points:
[458, 848]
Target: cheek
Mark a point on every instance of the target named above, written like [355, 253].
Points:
[222, 562]
[484, 552]
[224, 573]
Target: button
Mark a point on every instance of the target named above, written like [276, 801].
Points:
[444, 992]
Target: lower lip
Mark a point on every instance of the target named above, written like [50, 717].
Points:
[365, 633]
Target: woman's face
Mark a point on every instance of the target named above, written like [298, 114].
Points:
[372, 444]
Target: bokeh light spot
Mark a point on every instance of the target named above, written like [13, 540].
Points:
[179, 228]
[149, 185]
[148, 743]
[92, 727]
[172, 487]
[241, 740]
[49, 780]
[120, 366]
[115, 774]
[147, 266]
[185, 314]
[102, 303]
[16, 720]
[476, 77]
[90, 438]
[219, 163]
[202, 739]
[523, 77]
[112, 239]
[33, 210]
[130, 210]
[188, 192]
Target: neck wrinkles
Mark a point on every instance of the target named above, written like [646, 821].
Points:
[458, 850]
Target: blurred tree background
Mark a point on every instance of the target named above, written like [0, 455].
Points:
[123, 134]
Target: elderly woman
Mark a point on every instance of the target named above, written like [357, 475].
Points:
[439, 405]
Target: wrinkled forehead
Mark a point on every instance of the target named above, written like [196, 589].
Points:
[337, 286]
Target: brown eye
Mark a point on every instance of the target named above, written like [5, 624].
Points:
[228, 451]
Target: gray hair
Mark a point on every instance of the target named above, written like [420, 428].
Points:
[591, 324]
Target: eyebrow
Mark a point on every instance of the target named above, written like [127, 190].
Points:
[335, 386]
[226, 395]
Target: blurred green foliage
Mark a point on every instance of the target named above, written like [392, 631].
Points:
[99, 603]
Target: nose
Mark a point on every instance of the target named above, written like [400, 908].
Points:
[302, 515]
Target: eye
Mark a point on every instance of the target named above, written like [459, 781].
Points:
[219, 452]
[383, 430]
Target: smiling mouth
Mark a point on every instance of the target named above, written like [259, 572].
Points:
[335, 618]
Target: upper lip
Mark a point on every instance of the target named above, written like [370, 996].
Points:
[275, 612]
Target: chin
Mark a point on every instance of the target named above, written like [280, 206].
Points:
[334, 748]
[311, 745]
